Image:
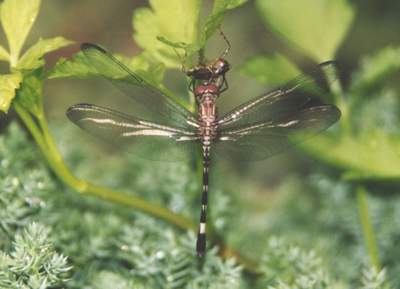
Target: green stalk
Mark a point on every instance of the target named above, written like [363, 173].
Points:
[368, 230]
[336, 89]
[201, 56]
[32, 127]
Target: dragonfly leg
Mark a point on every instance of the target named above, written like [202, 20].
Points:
[225, 84]
[228, 44]
[182, 59]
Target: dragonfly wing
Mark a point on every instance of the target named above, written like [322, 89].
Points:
[150, 102]
[279, 102]
[145, 139]
[265, 139]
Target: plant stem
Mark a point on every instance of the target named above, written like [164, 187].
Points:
[52, 155]
[201, 56]
[339, 97]
[32, 127]
[368, 230]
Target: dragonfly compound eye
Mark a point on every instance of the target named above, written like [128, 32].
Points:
[220, 66]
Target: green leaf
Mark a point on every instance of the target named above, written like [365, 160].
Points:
[8, 84]
[214, 20]
[316, 26]
[272, 70]
[29, 95]
[17, 18]
[33, 57]
[182, 45]
[376, 68]
[4, 54]
[370, 155]
[225, 5]
[174, 20]
[151, 72]
[79, 66]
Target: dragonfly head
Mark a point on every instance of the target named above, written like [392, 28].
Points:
[210, 70]
[220, 66]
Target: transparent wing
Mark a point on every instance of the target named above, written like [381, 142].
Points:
[145, 139]
[265, 139]
[150, 103]
[280, 102]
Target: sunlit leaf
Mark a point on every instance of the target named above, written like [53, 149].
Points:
[17, 18]
[273, 70]
[317, 27]
[188, 48]
[372, 155]
[4, 54]
[79, 66]
[214, 20]
[174, 20]
[33, 57]
[8, 84]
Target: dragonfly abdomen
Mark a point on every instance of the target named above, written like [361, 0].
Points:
[201, 236]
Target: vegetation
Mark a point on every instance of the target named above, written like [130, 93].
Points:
[334, 227]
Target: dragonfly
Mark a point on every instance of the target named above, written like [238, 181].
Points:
[257, 129]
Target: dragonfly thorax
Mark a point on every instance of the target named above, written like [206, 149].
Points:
[207, 90]
[205, 97]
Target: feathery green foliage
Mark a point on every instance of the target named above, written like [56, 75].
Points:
[32, 262]
[288, 266]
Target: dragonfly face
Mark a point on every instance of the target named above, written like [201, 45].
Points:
[260, 128]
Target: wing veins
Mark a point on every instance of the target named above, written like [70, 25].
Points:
[110, 117]
[290, 97]
[155, 97]
[240, 111]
